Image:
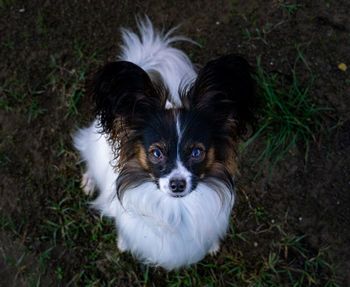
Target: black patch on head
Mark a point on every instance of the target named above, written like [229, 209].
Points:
[199, 130]
[161, 130]
[196, 132]
[224, 90]
[124, 91]
[125, 98]
[216, 108]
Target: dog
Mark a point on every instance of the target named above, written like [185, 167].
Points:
[162, 149]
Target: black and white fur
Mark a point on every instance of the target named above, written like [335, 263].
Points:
[161, 150]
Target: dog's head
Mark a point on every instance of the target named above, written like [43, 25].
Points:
[175, 148]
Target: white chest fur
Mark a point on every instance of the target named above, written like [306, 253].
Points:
[156, 228]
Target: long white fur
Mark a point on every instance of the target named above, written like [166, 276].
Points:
[152, 52]
[158, 229]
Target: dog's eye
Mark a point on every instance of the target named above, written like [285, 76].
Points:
[157, 153]
[196, 153]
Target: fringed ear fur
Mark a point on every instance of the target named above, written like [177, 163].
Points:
[124, 95]
[224, 90]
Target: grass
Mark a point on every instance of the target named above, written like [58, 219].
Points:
[5, 3]
[17, 96]
[288, 117]
[274, 269]
[34, 110]
[78, 248]
[70, 82]
[13, 93]
[73, 246]
[71, 229]
[290, 8]
[260, 33]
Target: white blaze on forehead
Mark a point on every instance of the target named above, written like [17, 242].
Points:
[178, 128]
[180, 171]
[180, 168]
[179, 136]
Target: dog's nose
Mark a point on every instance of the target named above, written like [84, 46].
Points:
[177, 184]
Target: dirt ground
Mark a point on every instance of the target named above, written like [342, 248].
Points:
[48, 49]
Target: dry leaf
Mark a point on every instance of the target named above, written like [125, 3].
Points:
[342, 67]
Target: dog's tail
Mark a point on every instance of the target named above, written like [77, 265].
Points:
[151, 50]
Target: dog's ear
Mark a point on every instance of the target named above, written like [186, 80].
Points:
[225, 91]
[124, 95]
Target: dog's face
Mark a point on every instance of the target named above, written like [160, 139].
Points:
[174, 148]
[178, 149]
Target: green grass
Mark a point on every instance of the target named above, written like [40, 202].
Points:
[70, 82]
[259, 33]
[290, 8]
[6, 3]
[287, 116]
[74, 246]
[34, 110]
[286, 261]
[13, 93]
[277, 268]
[78, 247]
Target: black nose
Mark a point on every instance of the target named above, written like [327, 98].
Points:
[177, 185]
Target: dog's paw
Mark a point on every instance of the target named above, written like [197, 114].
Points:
[87, 184]
[214, 248]
[121, 244]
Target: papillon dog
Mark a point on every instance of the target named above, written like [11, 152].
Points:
[161, 151]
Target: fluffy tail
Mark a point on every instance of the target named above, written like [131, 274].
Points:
[153, 53]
